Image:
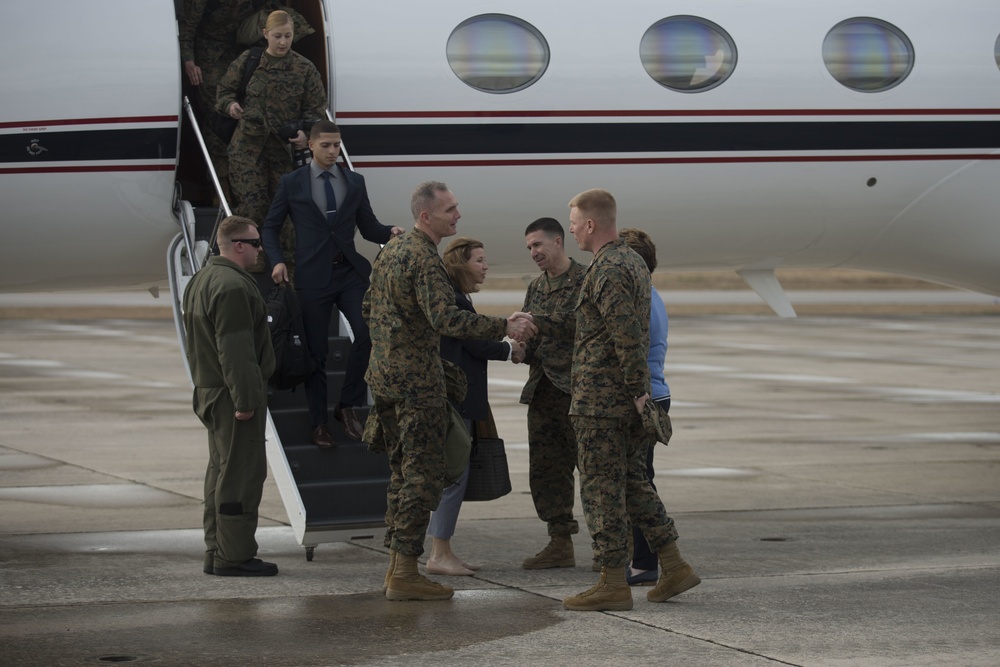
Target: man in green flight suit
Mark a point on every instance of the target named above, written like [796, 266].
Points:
[230, 356]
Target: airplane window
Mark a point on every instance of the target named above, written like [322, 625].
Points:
[687, 54]
[496, 53]
[996, 51]
[867, 55]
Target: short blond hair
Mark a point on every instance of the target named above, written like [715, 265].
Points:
[456, 263]
[232, 227]
[598, 205]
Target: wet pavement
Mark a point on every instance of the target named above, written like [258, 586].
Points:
[835, 480]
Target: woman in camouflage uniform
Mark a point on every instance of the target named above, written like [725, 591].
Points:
[284, 96]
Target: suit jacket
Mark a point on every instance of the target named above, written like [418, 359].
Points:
[472, 356]
[316, 242]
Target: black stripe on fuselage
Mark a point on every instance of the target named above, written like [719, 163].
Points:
[41, 147]
[700, 137]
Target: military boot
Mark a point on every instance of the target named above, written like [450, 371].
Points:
[388, 573]
[406, 583]
[557, 553]
[676, 576]
[610, 594]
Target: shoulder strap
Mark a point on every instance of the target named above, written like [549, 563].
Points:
[248, 67]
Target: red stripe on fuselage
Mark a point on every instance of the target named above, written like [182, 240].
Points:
[61, 122]
[546, 162]
[666, 113]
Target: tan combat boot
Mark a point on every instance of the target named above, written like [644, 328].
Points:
[676, 576]
[557, 553]
[406, 583]
[610, 594]
[388, 573]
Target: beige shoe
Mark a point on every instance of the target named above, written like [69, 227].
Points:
[557, 553]
[676, 576]
[611, 593]
[406, 583]
[388, 573]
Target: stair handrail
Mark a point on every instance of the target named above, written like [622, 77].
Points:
[216, 183]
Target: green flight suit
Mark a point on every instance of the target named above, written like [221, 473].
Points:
[230, 356]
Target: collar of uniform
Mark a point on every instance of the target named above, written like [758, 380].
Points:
[219, 260]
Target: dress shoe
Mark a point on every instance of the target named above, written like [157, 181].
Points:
[353, 426]
[321, 437]
[254, 567]
[644, 578]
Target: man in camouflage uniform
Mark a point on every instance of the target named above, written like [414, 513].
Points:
[207, 31]
[551, 441]
[610, 387]
[284, 96]
[230, 356]
[410, 304]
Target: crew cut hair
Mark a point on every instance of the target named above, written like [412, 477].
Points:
[423, 197]
[323, 126]
[232, 227]
[597, 204]
[548, 226]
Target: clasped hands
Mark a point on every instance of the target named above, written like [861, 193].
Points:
[521, 327]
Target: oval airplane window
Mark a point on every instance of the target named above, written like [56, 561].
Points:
[867, 55]
[496, 53]
[687, 54]
[996, 51]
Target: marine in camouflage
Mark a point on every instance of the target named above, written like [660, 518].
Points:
[280, 91]
[207, 37]
[609, 372]
[552, 451]
[410, 304]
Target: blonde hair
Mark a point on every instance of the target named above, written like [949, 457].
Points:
[456, 263]
[597, 204]
[278, 19]
[232, 227]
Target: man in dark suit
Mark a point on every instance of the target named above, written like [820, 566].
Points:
[327, 203]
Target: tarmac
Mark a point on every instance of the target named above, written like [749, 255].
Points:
[835, 481]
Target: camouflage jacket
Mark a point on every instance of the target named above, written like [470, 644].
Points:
[612, 334]
[214, 20]
[228, 342]
[409, 306]
[552, 355]
[280, 91]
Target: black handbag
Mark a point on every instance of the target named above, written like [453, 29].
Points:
[489, 477]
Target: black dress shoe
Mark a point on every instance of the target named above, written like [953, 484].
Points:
[321, 437]
[254, 567]
[353, 426]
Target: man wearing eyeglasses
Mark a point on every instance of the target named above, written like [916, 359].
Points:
[230, 356]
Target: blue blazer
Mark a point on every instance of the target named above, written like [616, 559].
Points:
[472, 357]
[316, 241]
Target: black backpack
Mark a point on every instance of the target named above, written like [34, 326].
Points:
[292, 362]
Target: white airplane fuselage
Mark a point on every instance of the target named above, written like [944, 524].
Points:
[779, 166]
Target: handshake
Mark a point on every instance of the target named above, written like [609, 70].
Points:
[521, 327]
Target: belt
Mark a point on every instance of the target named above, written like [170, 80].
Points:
[338, 258]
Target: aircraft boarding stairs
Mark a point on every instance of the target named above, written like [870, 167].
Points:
[330, 495]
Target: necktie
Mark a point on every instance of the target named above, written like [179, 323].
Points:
[331, 199]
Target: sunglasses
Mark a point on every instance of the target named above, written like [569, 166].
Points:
[256, 243]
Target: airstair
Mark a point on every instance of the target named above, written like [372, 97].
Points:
[330, 495]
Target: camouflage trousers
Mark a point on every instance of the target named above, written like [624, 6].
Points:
[414, 435]
[254, 173]
[614, 487]
[214, 59]
[552, 458]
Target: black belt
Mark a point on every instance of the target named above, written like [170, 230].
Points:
[338, 258]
